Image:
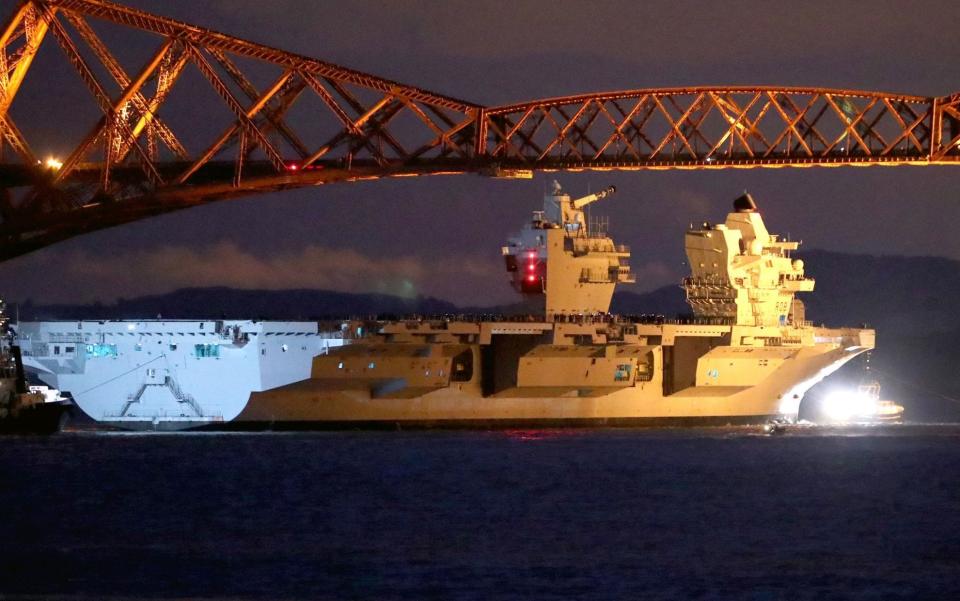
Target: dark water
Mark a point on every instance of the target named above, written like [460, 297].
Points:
[610, 514]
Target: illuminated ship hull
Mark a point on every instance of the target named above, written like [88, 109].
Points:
[508, 374]
[579, 366]
[168, 375]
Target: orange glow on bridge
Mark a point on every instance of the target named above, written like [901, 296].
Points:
[316, 123]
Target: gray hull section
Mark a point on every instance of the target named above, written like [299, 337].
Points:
[168, 375]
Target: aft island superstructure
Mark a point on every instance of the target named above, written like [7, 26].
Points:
[747, 356]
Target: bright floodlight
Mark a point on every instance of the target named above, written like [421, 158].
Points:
[53, 163]
[843, 405]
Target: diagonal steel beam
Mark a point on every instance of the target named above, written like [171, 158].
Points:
[378, 120]
[244, 117]
[287, 97]
[618, 127]
[93, 84]
[119, 75]
[13, 137]
[674, 125]
[791, 126]
[166, 27]
[252, 94]
[35, 23]
[167, 75]
[848, 124]
[352, 100]
[562, 134]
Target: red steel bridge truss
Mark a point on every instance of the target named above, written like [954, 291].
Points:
[200, 116]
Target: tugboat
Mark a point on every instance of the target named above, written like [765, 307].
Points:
[862, 406]
[22, 410]
[880, 410]
[747, 357]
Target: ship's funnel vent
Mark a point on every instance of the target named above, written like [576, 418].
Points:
[744, 204]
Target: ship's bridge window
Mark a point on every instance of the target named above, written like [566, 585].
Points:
[206, 350]
[101, 350]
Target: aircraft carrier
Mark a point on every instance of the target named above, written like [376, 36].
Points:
[748, 355]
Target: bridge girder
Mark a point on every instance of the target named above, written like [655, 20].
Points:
[136, 160]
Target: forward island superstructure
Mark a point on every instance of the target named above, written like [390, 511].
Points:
[748, 355]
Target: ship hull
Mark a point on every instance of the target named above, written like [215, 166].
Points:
[363, 401]
[492, 424]
[156, 375]
[42, 418]
[522, 375]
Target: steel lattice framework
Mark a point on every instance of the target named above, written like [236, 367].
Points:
[700, 128]
[294, 121]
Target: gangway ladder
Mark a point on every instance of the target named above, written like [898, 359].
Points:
[170, 383]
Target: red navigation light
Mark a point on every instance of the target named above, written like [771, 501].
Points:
[531, 266]
[292, 167]
[531, 278]
[531, 255]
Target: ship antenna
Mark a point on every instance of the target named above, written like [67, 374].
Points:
[589, 226]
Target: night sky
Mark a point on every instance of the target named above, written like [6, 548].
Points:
[441, 236]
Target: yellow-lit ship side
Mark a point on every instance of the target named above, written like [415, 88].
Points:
[746, 357]
[415, 384]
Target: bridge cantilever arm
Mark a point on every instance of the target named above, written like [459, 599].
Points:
[124, 15]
